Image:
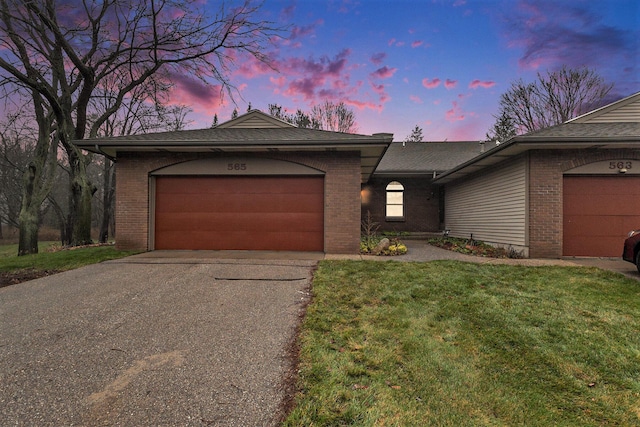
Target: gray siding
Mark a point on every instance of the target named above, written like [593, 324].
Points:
[625, 113]
[491, 206]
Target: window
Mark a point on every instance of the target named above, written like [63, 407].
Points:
[395, 201]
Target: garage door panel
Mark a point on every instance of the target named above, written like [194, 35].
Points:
[196, 240]
[607, 204]
[244, 213]
[222, 222]
[598, 212]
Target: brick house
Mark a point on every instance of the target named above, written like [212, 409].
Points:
[259, 183]
[253, 183]
[567, 190]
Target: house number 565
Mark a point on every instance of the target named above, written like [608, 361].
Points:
[237, 166]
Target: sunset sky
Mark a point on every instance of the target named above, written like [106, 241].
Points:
[438, 64]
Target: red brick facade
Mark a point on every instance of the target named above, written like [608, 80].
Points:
[546, 170]
[342, 189]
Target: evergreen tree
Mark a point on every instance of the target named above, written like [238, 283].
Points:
[416, 135]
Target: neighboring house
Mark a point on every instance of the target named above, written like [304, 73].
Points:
[400, 196]
[253, 183]
[567, 190]
[258, 183]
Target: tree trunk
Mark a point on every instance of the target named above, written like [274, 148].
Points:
[107, 200]
[29, 217]
[80, 210]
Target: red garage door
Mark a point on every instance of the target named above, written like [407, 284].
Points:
[599, 211]
[239, 213]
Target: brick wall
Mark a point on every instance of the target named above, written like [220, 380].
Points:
[421, 204]
[342, 190]
[546, 170]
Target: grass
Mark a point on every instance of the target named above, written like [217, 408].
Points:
[14, 268]
[456, 344]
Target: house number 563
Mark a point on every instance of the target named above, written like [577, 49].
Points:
[237, 166]
[620, 165]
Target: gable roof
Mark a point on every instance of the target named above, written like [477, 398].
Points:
[623, 110]
[255, 119]
[251, 132]
[616, 125]
[425, 158]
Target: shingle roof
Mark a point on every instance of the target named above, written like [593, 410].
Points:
[586, 130]
[426, 157]
[216, 136]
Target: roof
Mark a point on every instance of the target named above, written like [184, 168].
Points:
[251, 132]
[420, 158]
[602, 128]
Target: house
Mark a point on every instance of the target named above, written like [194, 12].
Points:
[253, 183]
[401, 197]
[567, 190]
[258, 183]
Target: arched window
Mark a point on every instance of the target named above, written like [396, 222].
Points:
[395, 201]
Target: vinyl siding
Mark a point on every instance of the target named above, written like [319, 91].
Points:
[256, 123]
[491, 206]
[625, 113]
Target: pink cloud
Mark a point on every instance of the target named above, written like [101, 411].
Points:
[484, 84]
[391, 42]
[431, 84]
[378, 58]
[417, 43]
[450, 84]
[305, 31]
[192, 92]
[415, 99]
[383, 73]
[455, 113]
[361, 105]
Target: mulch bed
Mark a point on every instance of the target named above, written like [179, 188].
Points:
[15, 277]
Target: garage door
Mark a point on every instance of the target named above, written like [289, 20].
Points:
[239, 213]
[599, 211]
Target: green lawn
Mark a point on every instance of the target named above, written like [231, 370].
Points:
[11, 263]
[455, 344]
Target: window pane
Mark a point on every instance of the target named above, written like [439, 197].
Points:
[394, 198]
[395, 210]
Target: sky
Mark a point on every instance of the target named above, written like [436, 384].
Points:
[437, 64]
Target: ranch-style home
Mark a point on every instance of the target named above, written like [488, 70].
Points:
[258, 183]
[252, 183]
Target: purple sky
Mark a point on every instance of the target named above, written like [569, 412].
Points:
[438, 64]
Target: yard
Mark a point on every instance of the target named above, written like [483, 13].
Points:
[455, 344]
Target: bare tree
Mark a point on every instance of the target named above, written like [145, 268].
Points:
[62, 51]
[334, 117]
[554, 98]
[144, 109]
[300, 118]
[16, 146]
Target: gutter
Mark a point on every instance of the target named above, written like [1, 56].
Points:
[99, 150]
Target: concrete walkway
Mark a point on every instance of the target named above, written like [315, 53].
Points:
[420, 251]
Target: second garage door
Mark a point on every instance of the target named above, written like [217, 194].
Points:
[599, 211]
[239, 213]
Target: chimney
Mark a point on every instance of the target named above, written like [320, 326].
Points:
[482, 146]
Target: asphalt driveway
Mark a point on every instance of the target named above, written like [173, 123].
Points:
[151, 342]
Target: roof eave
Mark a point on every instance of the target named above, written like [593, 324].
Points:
[520, 144]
